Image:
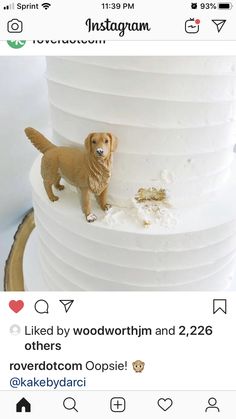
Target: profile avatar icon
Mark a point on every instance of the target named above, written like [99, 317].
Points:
[15, 329]
[212, 405]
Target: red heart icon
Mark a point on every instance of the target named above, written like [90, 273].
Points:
[16, 306]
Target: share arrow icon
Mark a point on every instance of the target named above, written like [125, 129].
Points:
[67, 304]
[219, 24]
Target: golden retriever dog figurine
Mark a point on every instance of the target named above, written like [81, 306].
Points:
[88, 169]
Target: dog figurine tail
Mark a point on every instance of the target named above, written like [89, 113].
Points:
[38, 140]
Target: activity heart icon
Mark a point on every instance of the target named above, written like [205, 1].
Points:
[16, 306]
[165, 404]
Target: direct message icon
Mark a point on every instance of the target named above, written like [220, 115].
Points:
[219, 305]
[67, 304]
[219, 24]
[165, 404]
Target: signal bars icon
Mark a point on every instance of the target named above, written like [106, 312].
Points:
[12, 6]
[9, 7]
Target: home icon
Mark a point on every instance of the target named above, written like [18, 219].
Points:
[23, 406]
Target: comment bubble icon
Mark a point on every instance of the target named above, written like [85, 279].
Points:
[41, 307]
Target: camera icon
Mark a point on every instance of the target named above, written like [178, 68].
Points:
[15, 26]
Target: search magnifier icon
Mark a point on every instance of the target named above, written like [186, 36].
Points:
[70, 404]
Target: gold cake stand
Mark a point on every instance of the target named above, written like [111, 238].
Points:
[13, 276]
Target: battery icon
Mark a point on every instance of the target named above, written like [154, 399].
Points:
[225, 6]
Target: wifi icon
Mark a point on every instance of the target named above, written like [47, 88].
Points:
[46, 5]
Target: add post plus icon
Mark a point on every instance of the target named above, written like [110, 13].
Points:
[118, 404]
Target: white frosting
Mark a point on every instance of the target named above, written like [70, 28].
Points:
[174, 120]
[166, 115]
[117, 252]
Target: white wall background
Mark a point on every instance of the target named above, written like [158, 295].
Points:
[23, 102]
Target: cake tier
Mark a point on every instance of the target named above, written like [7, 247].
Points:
[173, 117]
[196, 252]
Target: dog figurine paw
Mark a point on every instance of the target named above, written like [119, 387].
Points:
[88, 169]
[107, 207]
[91, 218]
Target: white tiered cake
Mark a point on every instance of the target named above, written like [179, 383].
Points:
[174, 119]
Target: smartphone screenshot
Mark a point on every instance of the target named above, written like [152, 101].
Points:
[118, 209]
